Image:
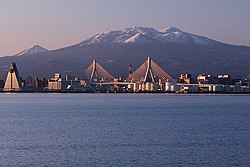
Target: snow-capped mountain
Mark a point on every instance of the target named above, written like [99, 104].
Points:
[141, 34]
[175, 50]
[35, 49]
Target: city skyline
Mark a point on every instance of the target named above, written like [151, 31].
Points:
[54, 25]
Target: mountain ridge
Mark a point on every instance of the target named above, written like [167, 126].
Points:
[175, 50]
[170, 34]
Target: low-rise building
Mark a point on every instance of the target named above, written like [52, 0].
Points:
[59, 84]
[185, 78]
[203, 79]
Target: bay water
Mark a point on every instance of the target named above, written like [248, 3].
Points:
[124, 130]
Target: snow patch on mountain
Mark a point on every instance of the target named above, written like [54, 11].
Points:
[138, 38]
[144, 35]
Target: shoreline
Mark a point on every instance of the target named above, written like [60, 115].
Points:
[142, 92]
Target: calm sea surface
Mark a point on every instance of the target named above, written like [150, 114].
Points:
[124, 130]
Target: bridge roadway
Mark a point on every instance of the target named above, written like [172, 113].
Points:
[114, 83]
[178, 84]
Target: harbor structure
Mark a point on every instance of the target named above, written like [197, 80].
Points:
[149, 77]
[149, 71]
[13, 82]
[97, 74]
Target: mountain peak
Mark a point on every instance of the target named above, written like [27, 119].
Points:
[137, 34]
[170, 30]
[33, 50]
[142, 30]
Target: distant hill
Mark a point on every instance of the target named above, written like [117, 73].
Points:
[174, 50]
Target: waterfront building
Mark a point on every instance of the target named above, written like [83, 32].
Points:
[185, 78]
[13, 82]
[247, 80]
[74, 83]
[203, 78]
[225, 79]
[39, 84]
[1, 85]
[171, 87]
[226, 76]
[59, 84]
[149, 77]
[27, 84]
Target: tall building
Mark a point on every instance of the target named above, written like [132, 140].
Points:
[1, 85]
[12, 82]
[39, 84]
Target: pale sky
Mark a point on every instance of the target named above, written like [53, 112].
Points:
[59, 23]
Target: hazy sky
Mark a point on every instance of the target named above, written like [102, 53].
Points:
[59, 23]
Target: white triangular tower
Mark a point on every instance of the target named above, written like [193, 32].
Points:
[149, 76]
[12, 82]
[149, 71]
[96, 73]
